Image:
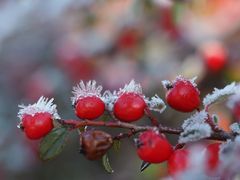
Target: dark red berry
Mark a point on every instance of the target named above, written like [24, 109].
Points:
[129, 107]
[153, 147]
[213, 156]
[183, 96]
[178, 162]
[38, 125]
[90, 107]
[95, 143]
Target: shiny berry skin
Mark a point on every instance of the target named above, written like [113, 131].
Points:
[213, 156]
[129, 107]
[178, 162]
[153, 147]
[215, 56]
[90, 107]
[95, 143]
[38, 125]
[183, 96]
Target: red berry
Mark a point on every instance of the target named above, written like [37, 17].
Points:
[38, 125]
[178, 162]
[129, 107]
[90, 107]
[153, 147]
[236, 111]
[213, 156]
[183, 96]
[215, 56]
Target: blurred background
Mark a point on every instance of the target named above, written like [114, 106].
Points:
[46, 47]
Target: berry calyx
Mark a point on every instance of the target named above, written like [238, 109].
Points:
[214, 55]
[95, 143]
[213, 156]
[183, 96]
[89, 107]
[178, 162]
[38, 125]
[129, 107]
[153, 147]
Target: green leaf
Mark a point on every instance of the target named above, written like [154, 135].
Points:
[215, 118]
[116, 145]
[53, 144]
[106, 164]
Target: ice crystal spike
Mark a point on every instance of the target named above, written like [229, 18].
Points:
[42, 105]
[219, 93]
[167, 83]
[131, 87]
[84, 90]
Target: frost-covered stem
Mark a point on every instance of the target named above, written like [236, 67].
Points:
[74, 124]
[154, 121]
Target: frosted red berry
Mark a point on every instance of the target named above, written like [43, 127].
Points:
[38, 125]
[153, 147]
[213, 156]
[178, 162]
[215, 56]
[90, 107]
[183, 96]
[129, 107]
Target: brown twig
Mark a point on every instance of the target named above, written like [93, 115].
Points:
[74, 124]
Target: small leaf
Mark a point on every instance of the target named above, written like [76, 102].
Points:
[53, 144]
[144, 165]
[116, 145]
[215, 119]
[106, 164]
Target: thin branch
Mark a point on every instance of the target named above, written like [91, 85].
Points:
[74, 124]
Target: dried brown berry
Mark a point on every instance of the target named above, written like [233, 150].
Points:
[95, 143]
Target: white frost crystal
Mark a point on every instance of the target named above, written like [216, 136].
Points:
[195, 128]
[235, 127]
[86, 90]
[165, 83]
[218, 93]
[41, 106]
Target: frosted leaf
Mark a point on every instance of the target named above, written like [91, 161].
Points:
[85, 90]
[131, 87]
[233, 99]
[235, 127]
[219, 93]
[155, 104]
[41, 106]
[195, 132]
[198, 117]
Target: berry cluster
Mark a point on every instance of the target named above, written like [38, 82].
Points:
[128, 105]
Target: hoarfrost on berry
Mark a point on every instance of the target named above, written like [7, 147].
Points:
[41, 106]
[219, 93]
[84, 90]
[131, 87]
[166, 83]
